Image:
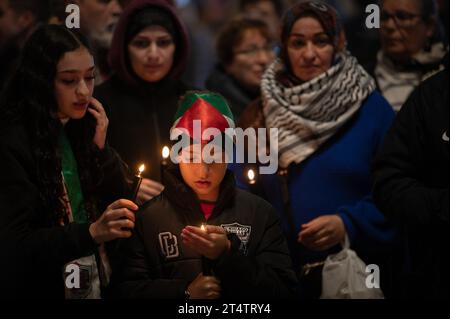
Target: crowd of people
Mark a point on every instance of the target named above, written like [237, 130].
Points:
[362, 119]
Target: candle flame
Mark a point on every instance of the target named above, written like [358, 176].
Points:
[141, 169]
[165, 152]
[251, 175]
[202, 227]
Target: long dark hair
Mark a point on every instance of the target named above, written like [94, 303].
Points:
[29, 100]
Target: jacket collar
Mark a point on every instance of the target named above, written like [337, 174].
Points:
[186, 201]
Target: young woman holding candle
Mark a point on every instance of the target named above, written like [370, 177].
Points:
[240, 253]
[57, 173]
[148, 55]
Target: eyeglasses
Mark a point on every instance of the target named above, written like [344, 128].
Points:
[401, 18]
[253, 51]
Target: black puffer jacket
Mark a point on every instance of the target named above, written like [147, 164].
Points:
[156, 265]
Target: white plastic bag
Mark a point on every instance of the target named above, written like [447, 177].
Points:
[344, 277]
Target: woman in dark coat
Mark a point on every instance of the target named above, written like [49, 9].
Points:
[148, 54]
[57, 174]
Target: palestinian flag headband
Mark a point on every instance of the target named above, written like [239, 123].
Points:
[207, 109]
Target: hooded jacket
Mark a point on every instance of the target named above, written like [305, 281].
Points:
[155, 264]
[141, 113]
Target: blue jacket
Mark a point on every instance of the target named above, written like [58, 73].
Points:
[337, 179]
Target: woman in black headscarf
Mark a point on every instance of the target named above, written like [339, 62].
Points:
[148, 54]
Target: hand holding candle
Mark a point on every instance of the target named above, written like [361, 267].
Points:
[211, 242]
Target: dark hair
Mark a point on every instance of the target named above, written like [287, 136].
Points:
[277, 4]
[29, 101]
[232, 34]
[40, 9]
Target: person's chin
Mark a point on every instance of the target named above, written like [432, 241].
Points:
[78, 115]
[153, 77]
[396, 53]
[310, 76]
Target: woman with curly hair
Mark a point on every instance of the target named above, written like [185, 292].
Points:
[57, 174]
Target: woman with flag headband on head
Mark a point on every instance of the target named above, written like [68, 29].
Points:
[202, 237]
[331, 121]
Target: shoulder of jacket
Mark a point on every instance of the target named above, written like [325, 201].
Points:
[245, 198]
[154, 207]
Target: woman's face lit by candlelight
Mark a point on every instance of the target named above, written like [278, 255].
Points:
[151, 53]
[74, 83]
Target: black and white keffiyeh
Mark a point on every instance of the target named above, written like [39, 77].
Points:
[309, 114]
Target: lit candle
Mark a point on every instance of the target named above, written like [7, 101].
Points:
[251, 176]
[165, 155]
[206, 263]
[137, 182]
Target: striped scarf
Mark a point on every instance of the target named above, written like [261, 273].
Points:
[309, 114]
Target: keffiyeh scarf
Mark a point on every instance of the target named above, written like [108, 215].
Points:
[307, 115]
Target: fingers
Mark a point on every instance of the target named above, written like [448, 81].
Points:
[196, 230]
[121, 213]
[213, 280]
[215, 229]
[121, 223]
[122, 233]
[148, 190]
[323, 242]
[311, 237]
[123, 203]
[97, 106]
[143, 197]
[94, 112]
[211, 284]
[151, 187]
[195, 239]
[312, 227]
[213, 295]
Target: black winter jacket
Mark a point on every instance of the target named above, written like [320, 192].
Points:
[412, 188]
[33, 249]
[156, 265]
